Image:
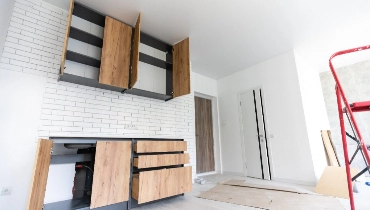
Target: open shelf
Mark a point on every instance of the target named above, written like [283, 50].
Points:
[154, 61]
[87, 82]
[80, 58]
[83, 36]
[148, 94]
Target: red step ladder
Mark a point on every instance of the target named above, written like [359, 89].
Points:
[348, 110]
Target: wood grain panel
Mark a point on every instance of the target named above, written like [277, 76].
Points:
[115, 60]
[181, 68]
[135, 53]
[111, 179]
[148, 161]
[40, 174]
[66, 35]
[158, 184]
[329, 148]
[160, 146]
[204, 135]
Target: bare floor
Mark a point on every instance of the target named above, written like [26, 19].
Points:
[191, 202]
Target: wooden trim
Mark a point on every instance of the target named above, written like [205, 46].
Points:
[157, 184]
[135, 53]
[148, 161]
[64, 52]
[160, 146]
[181, 68]
[40, 174]
[111, 179]
[333, 160]
[115, 60]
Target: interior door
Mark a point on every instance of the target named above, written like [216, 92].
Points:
[181, 68]
[204, 135]
[111, 179]
[40, 174]
[254, 134]
[116, 52]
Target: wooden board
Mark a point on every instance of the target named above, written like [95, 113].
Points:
[332, 145]
[111, 179]
[160, 146]
[333, 182]
[333, 160]
[40, 174]
[116, 51]
[66, 36]
[157, 184]
[204, 135]
[135, 53]
[181, 68]
[148, 161]
[273, 199]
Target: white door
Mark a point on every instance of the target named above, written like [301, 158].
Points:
[254, 134]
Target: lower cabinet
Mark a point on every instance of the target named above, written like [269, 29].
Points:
[113, 174]
[153, 185]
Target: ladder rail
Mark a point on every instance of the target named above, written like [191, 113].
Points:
[342, 97]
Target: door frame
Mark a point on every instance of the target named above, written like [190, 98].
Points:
[216, 133]
[267, 137]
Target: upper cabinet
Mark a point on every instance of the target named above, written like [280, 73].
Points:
[105, 53]
[135, 53]
[116, 52]
[181, 68]
[64, 53]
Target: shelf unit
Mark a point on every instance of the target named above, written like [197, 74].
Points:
[121, 74]
[121, 190]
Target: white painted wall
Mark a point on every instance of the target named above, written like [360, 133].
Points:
[6, 10]
[34, 104]
[20, 109]
[314, 111]
[290, 149]
[204, 85]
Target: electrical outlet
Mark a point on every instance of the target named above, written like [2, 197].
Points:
[130, 127]
[6, 191]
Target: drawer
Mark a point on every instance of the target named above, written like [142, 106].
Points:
[148, 161]
[153, 185]
[160, 146]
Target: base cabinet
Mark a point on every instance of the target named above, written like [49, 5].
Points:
[157, 184]
[110, 173]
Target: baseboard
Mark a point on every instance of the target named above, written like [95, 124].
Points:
[207, 173]
[233, 173]
[293, 181]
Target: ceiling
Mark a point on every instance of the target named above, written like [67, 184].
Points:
[229, 36]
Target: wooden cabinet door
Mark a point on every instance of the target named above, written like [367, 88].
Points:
[40, 175]
[135, 53]
[116, 51]
[64, 52]
[181, 68]
[111, 179]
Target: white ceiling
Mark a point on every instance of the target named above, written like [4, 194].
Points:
[227, 36]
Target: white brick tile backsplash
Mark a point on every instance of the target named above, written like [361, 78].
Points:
[34, 46]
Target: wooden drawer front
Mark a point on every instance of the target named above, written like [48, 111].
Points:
[154, 185]
[160, 146]
[148, 161]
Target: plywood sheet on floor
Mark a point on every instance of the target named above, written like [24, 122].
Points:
[260, 196]
[333, 182]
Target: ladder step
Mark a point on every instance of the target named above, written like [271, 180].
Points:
[360, 106]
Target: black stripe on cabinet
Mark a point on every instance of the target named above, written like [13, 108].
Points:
[83, 36]
[89, 15]
[79, 58]
[155, 43]
[154, 61]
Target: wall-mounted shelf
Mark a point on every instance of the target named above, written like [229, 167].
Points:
[118, 69]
